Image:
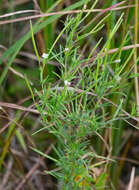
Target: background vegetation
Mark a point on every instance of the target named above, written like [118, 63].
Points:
[69, 101]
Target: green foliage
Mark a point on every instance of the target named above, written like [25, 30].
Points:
[82, 111]
[74, 112]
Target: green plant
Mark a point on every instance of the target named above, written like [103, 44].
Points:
[75, 110]
[82, 102]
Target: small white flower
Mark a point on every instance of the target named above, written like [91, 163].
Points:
[84, 6]
[105, 49]
[67, 83]
[118, 78]
[66, 49]
[45, 55]
[117, 61]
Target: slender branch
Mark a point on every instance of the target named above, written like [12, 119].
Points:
[15, 106]
[58, 13]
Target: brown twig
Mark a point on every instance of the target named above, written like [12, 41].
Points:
[15, 106]
[32, 170]
[58, 13]
[18, 12]
[131, 182]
